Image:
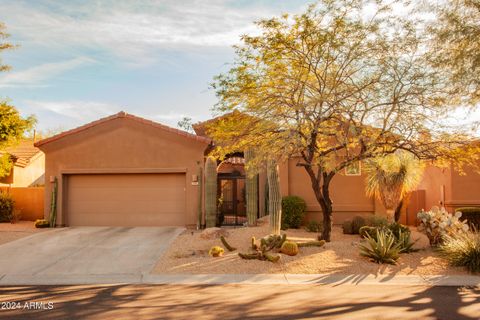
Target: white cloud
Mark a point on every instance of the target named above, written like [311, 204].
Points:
[171, 116]
[37, 75]
[81, 111]
[133, 30]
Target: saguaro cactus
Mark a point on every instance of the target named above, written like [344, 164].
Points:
[200, 196]
[53, 204]
[210, 192]
[275, 198]
[251, 190]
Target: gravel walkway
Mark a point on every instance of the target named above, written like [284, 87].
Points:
[189, 255]
[13, 231]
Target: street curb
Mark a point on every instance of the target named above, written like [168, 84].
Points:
[246, 279]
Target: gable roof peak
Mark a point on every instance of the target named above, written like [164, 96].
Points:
[122, 114]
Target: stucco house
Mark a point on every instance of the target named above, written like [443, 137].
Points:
[28, 166]
[124, 170]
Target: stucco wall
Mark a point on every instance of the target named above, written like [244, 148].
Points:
[32, 175]
[123, 145]
[437, 185]
[465, 189]
[347, 193]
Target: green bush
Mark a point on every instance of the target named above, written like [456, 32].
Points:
[293, 211]
[383, 249]
[471, 215]
[462, 250]
[6, 207]
[398, 228]
[314, 226]
[367, 230]
[42, 223]
[377, 221]
[347, 227]
[357, 223]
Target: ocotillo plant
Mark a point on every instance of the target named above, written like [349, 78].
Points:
[251, 190]
[210, 192]
[275, 198]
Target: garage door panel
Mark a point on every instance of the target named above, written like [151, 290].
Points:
[126, 200]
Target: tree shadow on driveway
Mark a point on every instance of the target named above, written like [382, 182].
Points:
[244, 301]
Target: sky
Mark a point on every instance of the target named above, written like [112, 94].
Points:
[79, 60]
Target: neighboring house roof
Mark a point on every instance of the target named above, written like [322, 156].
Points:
[23, 153]
[122, 114]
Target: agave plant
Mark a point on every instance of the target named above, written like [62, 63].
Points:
[392, 177]
[382, 249]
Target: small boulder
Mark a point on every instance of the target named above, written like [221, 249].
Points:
[213, 233]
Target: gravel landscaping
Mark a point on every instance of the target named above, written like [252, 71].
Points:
[13, 231]
[189, 255]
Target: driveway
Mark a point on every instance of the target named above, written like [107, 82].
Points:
[84, 255]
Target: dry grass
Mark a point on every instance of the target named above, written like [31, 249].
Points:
[189, 254]
[13, 231]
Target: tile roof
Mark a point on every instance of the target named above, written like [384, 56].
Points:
[122, 114]
[23, 153]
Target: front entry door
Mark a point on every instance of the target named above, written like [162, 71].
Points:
[232, 204]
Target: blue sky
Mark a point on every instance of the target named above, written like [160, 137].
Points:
[81, 60]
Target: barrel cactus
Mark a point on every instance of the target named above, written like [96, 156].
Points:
[289, 248]
[275, 198]
[210, 192]
[251, 189]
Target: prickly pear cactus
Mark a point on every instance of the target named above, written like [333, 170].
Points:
[275, 198]
[289, 248]
[251, 190]
[210, 192]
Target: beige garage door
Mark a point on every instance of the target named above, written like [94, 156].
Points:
[126, 200]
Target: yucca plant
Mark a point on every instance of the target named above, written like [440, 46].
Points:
[462, 250]
[383, 249]
[392, 177]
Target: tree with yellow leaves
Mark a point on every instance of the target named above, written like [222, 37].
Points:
[331, 87]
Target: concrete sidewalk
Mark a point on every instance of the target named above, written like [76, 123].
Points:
[218, 279]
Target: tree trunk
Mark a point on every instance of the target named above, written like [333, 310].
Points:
[398, 210]
[322, 194]
[327, 209]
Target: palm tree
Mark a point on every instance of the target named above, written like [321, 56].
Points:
[391, 178]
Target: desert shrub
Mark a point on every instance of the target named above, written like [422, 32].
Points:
[377, 221]
[462, 250]
[367, 230]
[314, 226]
[6, 207]
[438, 223]
[397, 229]
[293, 211]
[347, 227]
[357, 223]
[404, 242]
[216, 251]
[383, 249]
[42, 223]
[471, 215]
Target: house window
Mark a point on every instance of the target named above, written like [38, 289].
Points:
[354, 169]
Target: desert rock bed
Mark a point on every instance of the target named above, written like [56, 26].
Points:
[188, 254]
